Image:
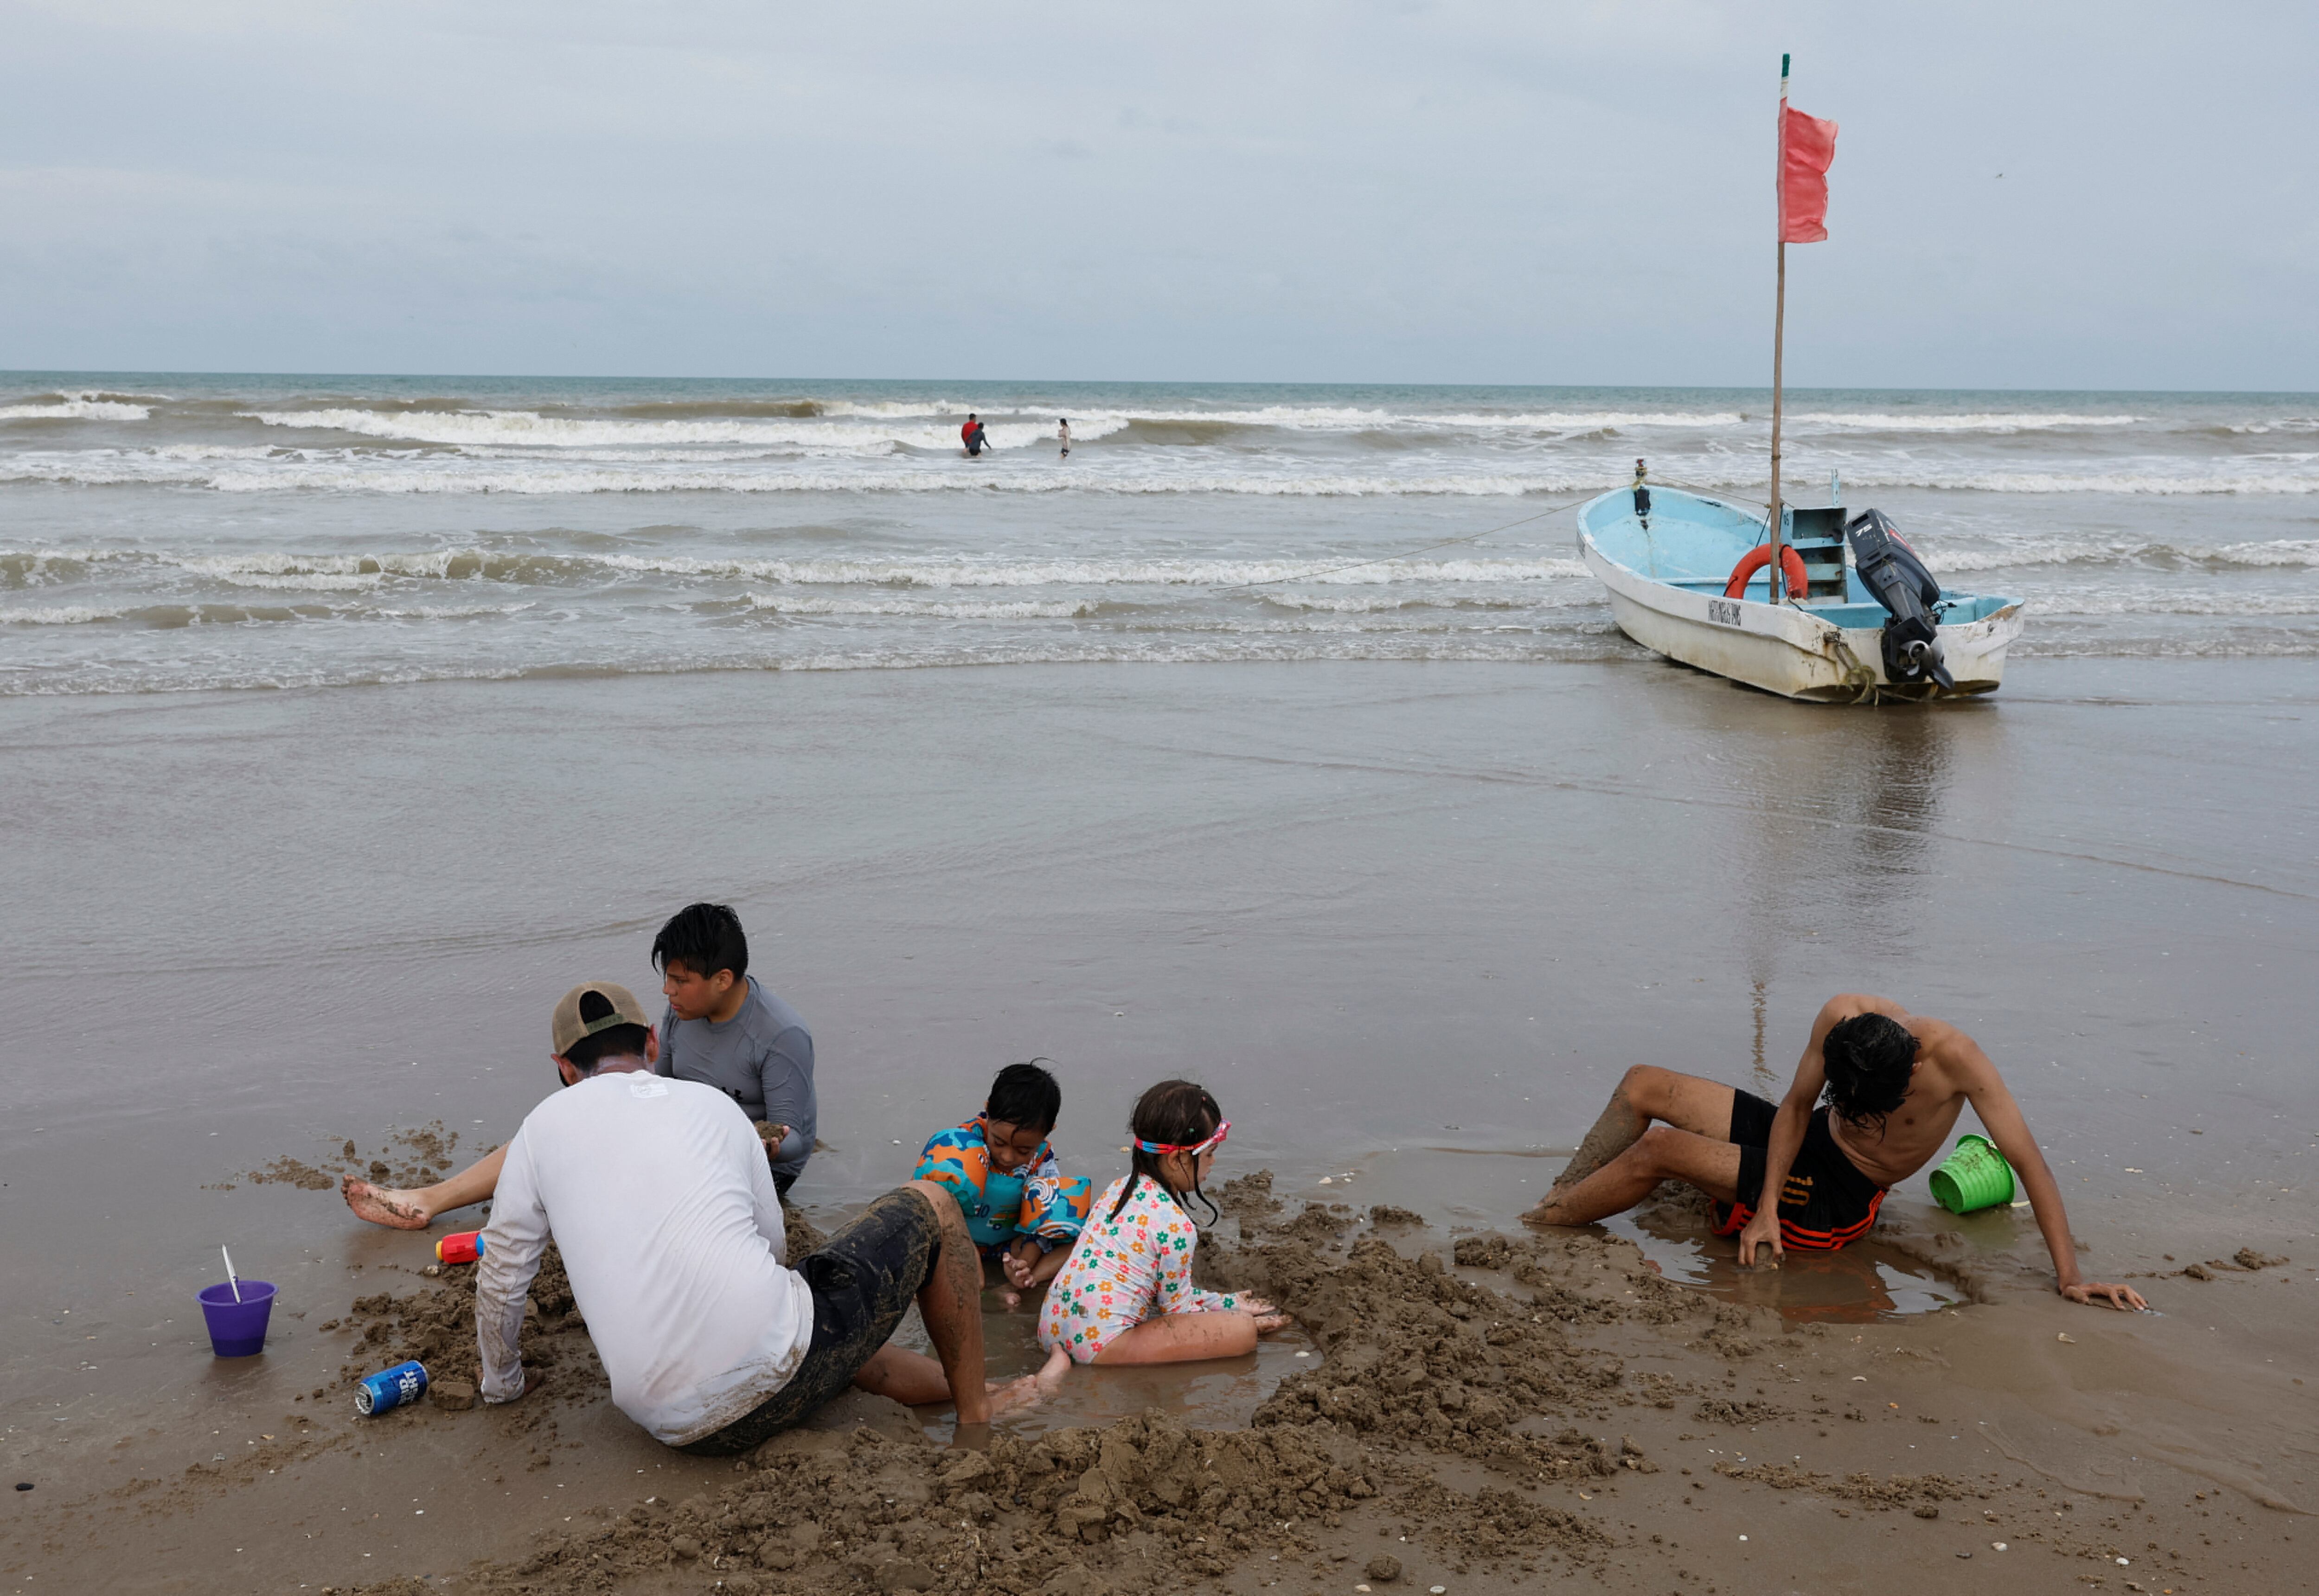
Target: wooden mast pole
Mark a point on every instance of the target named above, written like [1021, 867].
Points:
[1774, 578]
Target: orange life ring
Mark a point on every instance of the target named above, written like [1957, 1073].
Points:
[1756, 558]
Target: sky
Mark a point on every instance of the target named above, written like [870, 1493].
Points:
[2024, 195]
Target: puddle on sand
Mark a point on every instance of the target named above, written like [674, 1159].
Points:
[1219, 1395]
[1862, 1283]
[1462, 1188]
[1216, 1395]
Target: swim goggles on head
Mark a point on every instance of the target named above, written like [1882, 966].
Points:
[1215, 1138]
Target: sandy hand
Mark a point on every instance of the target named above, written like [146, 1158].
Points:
[1012, 1396]
[1265, 1323]
[1256, 1305]
[1763, 1231]
[2121, 1297]
[382, 1205]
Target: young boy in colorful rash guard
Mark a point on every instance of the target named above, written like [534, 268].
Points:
[1021, 1209]
[1126, 1295]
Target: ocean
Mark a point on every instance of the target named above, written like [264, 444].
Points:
[168, 533]
[346, 722]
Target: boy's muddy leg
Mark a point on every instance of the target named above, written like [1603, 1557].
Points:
[1687, 1102]
[1661, 1153]
[1617, 1128]
[415, 1210]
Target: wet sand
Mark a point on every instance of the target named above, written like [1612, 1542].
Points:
[1408, 921]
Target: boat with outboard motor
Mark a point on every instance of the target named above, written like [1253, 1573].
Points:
[1769, 599]
[1690, 578]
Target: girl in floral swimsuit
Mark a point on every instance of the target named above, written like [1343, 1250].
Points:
[1126, 1294]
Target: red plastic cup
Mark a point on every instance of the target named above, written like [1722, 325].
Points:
[464, 1247]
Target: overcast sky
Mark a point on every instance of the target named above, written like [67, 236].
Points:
[1511, 193]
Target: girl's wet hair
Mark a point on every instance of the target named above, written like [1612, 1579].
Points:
[1868, 1059]
[1174, 1114]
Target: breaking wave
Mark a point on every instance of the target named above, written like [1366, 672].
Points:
[2289, 553]
[78, 407]
[257, 532]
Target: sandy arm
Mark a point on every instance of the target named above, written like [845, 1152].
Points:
[785, 1081]
[1795, 1114]
[2000, 1116]
[515, 1240]
[764, 1197]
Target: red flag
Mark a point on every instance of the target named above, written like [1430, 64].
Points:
[1806, 147]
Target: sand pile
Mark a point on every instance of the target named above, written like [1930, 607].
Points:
[1417, 1358]
[1463, 1412]
[435, 1323]
[1146, 1501]
[413, 1158]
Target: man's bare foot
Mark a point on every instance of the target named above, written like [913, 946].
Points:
[400, 1211]
[1542, 1217]
[1050, 1379]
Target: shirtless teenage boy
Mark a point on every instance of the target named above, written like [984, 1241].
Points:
[1895, 1084]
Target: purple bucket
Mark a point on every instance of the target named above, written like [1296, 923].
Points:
[237, 1330]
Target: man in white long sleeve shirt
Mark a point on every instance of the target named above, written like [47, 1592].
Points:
[658, 1193]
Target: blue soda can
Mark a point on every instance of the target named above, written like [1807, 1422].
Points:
[397, 1387]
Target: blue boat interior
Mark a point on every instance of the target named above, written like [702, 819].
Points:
[1694, 542]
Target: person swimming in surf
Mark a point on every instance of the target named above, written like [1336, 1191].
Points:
[975, 436]
[1895, 1084]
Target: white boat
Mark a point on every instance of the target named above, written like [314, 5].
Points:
[1671, 579]
[1769, 599]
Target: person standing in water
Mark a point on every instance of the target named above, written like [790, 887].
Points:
[1642, 493]
[974, 434]
[1063, 432]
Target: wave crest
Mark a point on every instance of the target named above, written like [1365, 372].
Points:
[76, 407]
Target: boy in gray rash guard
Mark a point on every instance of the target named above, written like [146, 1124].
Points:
[721, 1029]
[724, 1030]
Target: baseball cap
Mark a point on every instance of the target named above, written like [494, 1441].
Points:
[568, 1028]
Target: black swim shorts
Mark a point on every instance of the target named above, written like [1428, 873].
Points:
[1826, 1202]
[863, 1280]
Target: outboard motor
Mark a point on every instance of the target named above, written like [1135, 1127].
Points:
[1912, 645]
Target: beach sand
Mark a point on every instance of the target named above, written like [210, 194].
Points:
[1410, 921]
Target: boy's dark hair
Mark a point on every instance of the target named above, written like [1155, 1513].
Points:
[616, 1041]
[704, 938]
[1025, 1095]
[1868, 1059]
[1174, 1114]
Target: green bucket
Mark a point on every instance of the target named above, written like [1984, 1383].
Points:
[1975, 1176]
